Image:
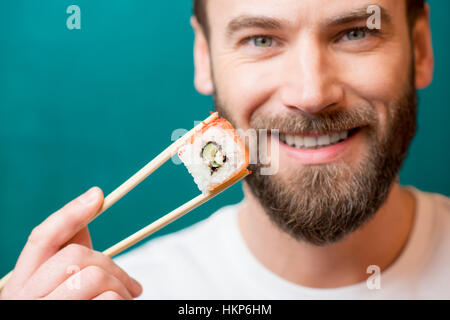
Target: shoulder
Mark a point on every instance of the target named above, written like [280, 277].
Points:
[170, 263]
[440, 208]
[433, 221]
[433, 209]
[442, 203]
[434, 204]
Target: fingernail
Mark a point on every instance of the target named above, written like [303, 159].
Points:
[88, 197]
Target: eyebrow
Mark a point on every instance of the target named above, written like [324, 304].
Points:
[248, 21]
[358, 15]
[268, 23]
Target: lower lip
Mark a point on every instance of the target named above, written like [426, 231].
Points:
[321, 155]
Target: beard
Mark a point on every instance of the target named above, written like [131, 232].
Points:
[321, 204]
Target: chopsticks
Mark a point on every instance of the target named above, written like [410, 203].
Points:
[148, 169]
[170, 217]
[137, 178]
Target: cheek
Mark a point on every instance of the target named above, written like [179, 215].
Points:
[379, 79]
[378, 75]
[245, 86]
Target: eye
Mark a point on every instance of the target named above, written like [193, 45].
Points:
[262, 41]
[356, 34]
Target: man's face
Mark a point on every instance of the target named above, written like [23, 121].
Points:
[313, 70]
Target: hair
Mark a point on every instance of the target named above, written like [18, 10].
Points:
[415, 8]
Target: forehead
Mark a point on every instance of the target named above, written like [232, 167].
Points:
[296, 12]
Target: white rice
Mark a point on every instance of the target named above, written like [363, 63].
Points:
[191, 156]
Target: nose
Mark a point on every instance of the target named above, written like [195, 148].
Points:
[309, 82]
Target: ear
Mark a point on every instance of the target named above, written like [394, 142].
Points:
[423, 50]
[202, 77]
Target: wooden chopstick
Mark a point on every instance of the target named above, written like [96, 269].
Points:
[170, 217]
[139, 176]
[148, 169]
[160, 223]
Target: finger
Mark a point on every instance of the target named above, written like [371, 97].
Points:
[69, 260]
[47, 238]
[109, 295]
[82, 238]
[88, 284]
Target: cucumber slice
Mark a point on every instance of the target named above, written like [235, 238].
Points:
[215, 164]
[209, 152]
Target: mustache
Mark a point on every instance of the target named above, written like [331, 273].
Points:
[321, 123]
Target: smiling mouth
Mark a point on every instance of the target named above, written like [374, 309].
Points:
[316, 141]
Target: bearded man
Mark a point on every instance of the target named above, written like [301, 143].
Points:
[333, 222]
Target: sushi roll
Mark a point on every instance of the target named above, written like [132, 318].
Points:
[214, 155]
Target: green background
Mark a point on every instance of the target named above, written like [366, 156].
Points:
[91, 107]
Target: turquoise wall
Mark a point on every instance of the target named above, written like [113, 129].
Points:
[91, 107]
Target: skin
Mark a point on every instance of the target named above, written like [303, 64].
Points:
[328, 74]
[61, 244]
[309, 67]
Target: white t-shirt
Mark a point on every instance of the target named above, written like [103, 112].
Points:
[210, 260]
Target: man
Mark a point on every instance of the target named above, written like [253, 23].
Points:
[333, 222]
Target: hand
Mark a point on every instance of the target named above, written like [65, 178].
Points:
[58, 262]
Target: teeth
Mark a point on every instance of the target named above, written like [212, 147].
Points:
[323, 140]
[290, 140]
[343, 135]
[335, 137]
[299, 142]
[313, 142]
[310, 142]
